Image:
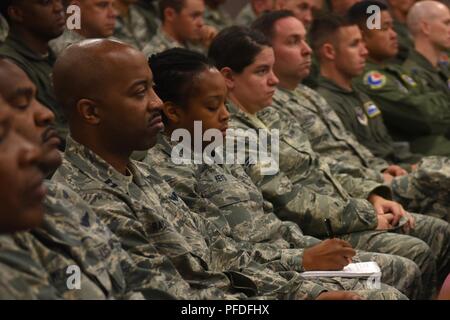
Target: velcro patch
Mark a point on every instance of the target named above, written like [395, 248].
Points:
[371, 109]
[375, 79]
[409, 80]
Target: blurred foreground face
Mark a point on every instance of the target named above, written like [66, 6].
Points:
[21, 182]
[31, 119]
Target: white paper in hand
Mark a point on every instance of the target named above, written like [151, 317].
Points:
[353, 270]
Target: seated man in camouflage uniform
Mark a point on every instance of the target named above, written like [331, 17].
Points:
[182, 26]
[425, 188]
[303, 190]
[71, 235]
[411, 112]
[116, 111]
[22, 192]
[429, 23]
[32, 26]
[97, 20]
[131, 25]
[224, 194]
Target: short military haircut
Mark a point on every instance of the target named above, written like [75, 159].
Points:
[266, 22]
[174, 73]
[236, 47]
[325, 28]
[176, 5]
[357, 14]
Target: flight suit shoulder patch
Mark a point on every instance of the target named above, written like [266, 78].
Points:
[375, 80]
[409, 80]
[371, 109]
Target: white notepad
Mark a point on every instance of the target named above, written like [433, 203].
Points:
[353, 270]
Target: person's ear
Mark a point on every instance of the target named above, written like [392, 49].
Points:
[169, 14]
[88, 111]
[328, 51]
[228, 74]
[172, 112]
[425, 27]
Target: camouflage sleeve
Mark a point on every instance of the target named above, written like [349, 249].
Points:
[23, 278]
[183, 180]
[308, 209]
[415, 114]
[357, 171]
[362, 188]
[16, 285]
[150, 271]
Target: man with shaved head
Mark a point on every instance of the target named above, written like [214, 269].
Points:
[70, 234]
[429, 23]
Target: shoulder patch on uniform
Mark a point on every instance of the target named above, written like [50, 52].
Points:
[371, 109]
[409, 80]
[375, 79]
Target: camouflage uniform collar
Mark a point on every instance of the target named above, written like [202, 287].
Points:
[282, 94]
[13, 41]
[245, 117]
[170, 42]
[94, 166]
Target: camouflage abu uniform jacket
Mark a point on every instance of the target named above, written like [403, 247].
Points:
[143, 211]
[226, 196]
[304, 190]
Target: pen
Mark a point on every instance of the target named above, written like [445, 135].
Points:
[329, 229]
